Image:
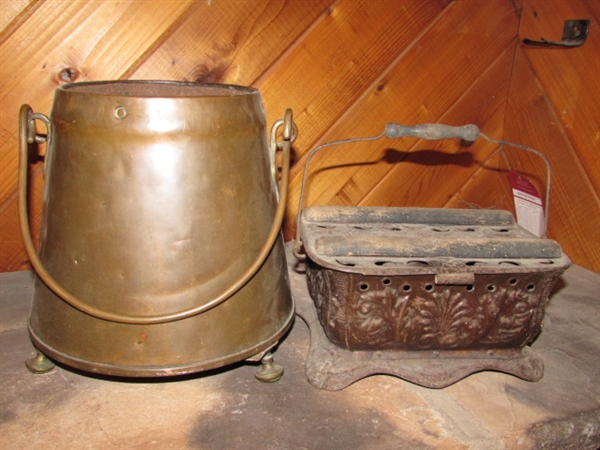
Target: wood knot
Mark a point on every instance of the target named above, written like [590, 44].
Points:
[68, 75]
[217, 74]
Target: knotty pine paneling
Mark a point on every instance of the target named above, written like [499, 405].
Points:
[531, 120]
[421, 86]
[14, 13]
[569, 77]
[593, 7]
[428, 172]
[331, 66]
[346, 67]
[574, 205]
[237, 42]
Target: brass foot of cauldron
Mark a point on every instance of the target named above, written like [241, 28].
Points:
[40, 363]
[269, 372]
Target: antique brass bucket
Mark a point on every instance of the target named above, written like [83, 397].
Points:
[160, 249]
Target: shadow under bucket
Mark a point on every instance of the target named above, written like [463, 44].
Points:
[160, 249]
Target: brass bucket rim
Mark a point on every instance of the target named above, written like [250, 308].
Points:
[156, 89]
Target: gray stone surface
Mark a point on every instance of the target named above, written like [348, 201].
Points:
[229, 409]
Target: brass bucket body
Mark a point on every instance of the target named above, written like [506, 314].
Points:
[158, 196]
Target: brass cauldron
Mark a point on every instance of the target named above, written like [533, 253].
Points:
[160, 249]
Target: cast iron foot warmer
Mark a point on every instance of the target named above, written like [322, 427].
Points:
[427, 295]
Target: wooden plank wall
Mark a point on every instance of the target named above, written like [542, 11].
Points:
[553, 105]
[346, 68]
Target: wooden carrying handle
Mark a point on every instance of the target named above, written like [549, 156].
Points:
[27, 135]
[429, 131]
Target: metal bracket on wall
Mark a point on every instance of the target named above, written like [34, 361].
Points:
[575, 33]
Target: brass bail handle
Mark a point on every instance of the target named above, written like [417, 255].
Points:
[428, 131]
[27, 135]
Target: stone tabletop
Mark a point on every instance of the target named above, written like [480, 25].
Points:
[229, 409]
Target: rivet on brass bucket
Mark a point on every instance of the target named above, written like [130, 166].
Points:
[160, 249]
[121, 112]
